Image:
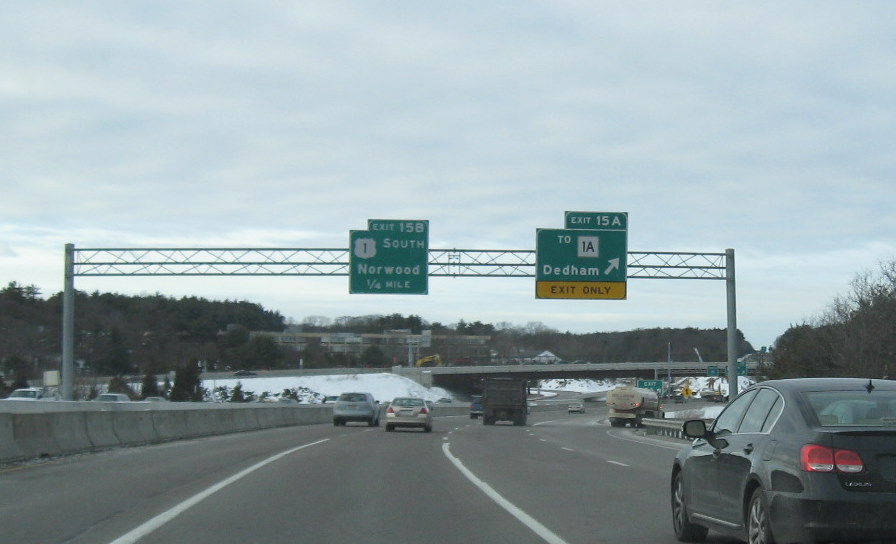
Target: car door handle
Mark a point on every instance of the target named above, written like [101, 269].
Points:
[748, 448]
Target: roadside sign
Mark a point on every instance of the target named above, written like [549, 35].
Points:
[390, 257]
[656, 385]
[580, 264]
[741, 368]
[712, 370]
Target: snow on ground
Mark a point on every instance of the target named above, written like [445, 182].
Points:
[312, 389]
[576, 386]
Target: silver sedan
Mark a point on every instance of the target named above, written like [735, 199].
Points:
[408, 412]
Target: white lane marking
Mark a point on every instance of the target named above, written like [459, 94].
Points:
[139, 532]
[567, 449]
[618, 463]
[525, 518]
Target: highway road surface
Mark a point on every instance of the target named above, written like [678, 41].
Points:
[564, 478]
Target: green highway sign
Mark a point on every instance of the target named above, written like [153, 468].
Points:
[581, 263]
[390, 257]
[656, 385]
[597, 220]
[712, 370]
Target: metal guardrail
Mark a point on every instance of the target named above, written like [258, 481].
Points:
[667, 428]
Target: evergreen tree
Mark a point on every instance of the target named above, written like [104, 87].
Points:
[187, 384]
[150, 386]
[237, 394]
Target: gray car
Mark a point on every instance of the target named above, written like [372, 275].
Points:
[358, 407]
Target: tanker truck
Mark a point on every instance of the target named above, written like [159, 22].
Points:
[628, 404]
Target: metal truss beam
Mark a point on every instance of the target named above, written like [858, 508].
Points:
[335, 262]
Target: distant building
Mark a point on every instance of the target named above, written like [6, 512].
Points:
[545, 358]
[400, 346]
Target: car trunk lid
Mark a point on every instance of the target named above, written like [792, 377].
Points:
[877, 448]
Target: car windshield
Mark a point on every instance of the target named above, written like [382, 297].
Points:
[24, 394]
[853, 408]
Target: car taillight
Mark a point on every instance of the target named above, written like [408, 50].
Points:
[389, 410]
[424, 410]
[815, 458]
[848, 461]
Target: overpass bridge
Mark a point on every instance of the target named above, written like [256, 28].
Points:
[465, 379]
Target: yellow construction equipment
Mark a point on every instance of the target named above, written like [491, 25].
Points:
[429, 360]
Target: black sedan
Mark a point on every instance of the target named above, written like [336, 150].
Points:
[799, 460]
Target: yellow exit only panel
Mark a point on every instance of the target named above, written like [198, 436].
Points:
[607, 290]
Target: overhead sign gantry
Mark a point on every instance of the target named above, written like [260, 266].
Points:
[374, 268]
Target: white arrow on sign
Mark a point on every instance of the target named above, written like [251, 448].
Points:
[614, 264]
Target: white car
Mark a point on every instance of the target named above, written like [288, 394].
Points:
[27, 393]
[576, 407]
[409, 412]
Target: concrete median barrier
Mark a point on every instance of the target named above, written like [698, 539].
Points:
[69, 430]
[34, 435]
[9, 450]
[60, 428]
[100, 430]
[169, 424]
[133, 428]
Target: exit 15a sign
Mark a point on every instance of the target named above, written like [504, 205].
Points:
[597, 220]
[586, 260]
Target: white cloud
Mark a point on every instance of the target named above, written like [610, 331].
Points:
[762, 127]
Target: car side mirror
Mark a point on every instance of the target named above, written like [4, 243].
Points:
[696, 428]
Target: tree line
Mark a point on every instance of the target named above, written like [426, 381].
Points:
[854, 336]
[125, 336]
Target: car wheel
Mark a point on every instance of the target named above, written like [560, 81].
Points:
[428, 428]
[389, 428]
[685, 531]
[758, 530]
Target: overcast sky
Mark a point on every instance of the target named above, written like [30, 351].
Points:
[766, 127]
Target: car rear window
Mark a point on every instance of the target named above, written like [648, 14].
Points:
[353, 397]
[407, 402]
[853, 408]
